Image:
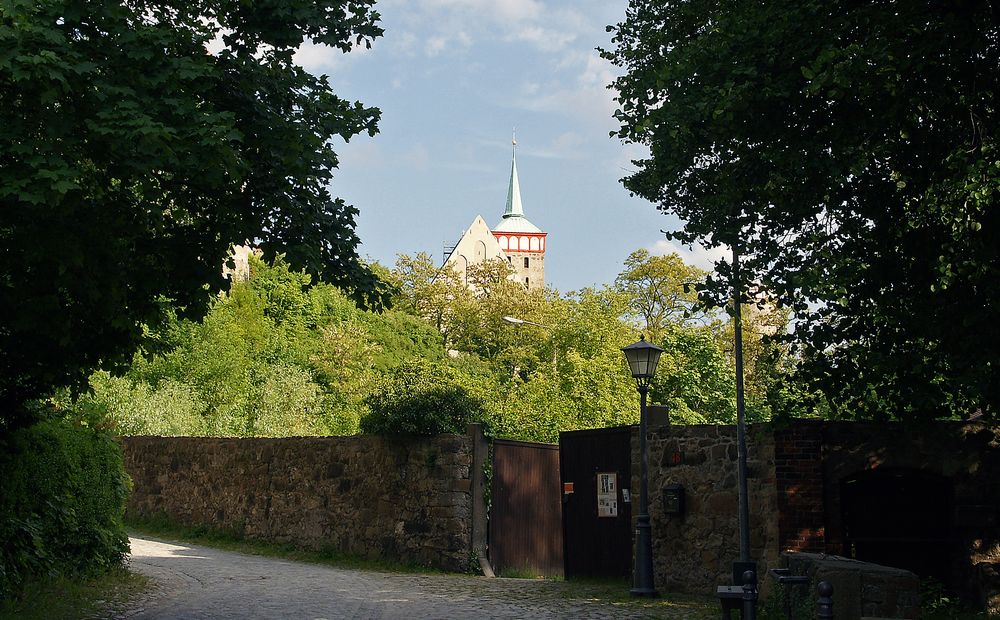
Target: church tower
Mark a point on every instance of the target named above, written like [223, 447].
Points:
[521, 241]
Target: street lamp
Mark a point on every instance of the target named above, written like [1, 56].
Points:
[642, 358]
[513, 320]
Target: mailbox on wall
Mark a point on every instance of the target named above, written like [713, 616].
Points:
[673, 499]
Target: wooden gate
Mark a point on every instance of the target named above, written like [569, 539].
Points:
[596, 468]
[526, 515]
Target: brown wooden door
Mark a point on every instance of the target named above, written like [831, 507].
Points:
[525, 514]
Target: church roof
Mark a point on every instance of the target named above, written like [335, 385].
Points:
[513, 216]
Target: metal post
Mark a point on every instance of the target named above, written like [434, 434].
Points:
[749, 595]
[642, 577]
[741, 432]
[824, 605]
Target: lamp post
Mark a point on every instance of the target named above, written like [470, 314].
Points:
[741, 418]
[642, 359]
[513, 320]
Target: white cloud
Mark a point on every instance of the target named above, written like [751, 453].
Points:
[404, 43]
[435, 45]
[697, 255]
[529, 21]
[361, 152]
[318, 58]
[510, 10]
[587, 97]
[545, 39]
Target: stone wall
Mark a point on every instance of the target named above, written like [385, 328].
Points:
[967, 455]
[797, 472]
[407, 499]
[694, 551]
[860, 589]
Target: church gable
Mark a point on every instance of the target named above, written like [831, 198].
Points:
[476, 246]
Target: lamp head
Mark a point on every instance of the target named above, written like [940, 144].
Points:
[642, 358]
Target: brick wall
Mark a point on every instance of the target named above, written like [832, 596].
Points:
[798, 465]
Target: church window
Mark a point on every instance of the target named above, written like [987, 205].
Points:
[525, 262]
[510, 261]
[526, 281]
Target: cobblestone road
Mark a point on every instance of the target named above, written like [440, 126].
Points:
[194, 582]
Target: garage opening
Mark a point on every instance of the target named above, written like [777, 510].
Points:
[900, 518]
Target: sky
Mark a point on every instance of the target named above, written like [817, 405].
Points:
[453, 78]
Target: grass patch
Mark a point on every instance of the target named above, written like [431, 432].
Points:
[616, 592]
[235, 540]
[526, 573]
[63, 598]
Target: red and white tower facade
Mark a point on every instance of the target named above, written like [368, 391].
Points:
[521, 241]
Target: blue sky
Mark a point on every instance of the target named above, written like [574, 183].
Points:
[452, 78]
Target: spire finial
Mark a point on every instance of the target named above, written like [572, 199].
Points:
[513, 136]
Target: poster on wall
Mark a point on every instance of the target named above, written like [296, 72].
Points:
[607, 494]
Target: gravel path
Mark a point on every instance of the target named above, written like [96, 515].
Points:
[194, 582]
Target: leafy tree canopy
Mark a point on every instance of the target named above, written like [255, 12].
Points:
[131, 158]
[661, 290]
[848, 150]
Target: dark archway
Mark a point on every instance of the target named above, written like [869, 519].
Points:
[901, 518]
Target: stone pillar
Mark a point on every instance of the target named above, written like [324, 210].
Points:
[480, 452]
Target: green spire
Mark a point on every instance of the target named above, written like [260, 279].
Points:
[514, 208]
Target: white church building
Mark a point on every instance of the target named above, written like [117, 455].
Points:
[514, 239]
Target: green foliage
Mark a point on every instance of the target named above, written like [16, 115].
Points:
[937, 603]
[277, 356]
[280, 355]
[63, 501]
[848, 151]
[661, 290]
[130, 158]
[171, 408]
[695, 378]
[109, 595]
[422, 398]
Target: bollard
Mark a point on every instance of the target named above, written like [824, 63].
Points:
[749, 595]
[824, 606]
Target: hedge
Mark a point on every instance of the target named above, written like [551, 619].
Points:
[63, 490]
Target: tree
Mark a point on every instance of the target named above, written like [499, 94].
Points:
[131, 158]
[422, 398]
[661, 289]
[478, 324]
[848, 152]
[426, 290]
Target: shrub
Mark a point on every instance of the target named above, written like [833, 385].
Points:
[421, 398]
[62, 503]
